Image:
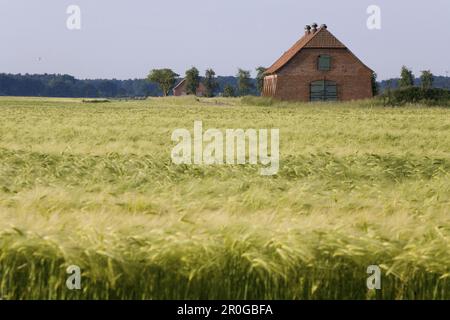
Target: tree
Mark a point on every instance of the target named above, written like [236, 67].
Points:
[228, 91]
[165, 78]
[210, 82]
[375, 88]
[387, 96]
[88, 90]
[192, 80]
[426, 79]
[107, 89]
[59, 87]
[407, 78]
[260, 78]
[244, 82]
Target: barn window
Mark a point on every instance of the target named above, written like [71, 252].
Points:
[324, 63]
[323, 90]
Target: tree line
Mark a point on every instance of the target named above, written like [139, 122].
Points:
[245, 85]
[408, 89]
[62, 85]
[437, 82]
[55, 85]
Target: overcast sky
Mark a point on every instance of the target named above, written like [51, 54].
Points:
[125, 39]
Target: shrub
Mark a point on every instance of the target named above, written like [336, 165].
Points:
[96, 101]
[402, 96]
[229, 91]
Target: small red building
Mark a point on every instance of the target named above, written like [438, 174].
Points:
[318, 68]
[180, 89]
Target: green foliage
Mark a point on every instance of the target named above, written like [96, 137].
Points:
[96, 100]
[260, 78]
[229, 91]
[245, 84]
[93, 185]
[210, 82]
[375, 86]
[426, 80]
[406, 78]
[165, 78]
[192, 80]
[415, 95]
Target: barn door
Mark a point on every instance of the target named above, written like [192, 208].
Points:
[323, 90]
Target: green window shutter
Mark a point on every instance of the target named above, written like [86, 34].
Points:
[322, 90]
[324, 63]
[317, 90]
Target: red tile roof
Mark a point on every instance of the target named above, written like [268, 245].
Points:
[322, 38]
[179, 83]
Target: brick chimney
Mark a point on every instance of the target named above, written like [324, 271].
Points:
[307, 29]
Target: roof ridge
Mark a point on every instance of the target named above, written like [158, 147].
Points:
[296, 48]
[179, 83]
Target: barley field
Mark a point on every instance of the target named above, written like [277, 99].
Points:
[93, 185]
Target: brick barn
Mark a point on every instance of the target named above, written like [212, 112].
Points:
[180, 89]
[318, 68]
